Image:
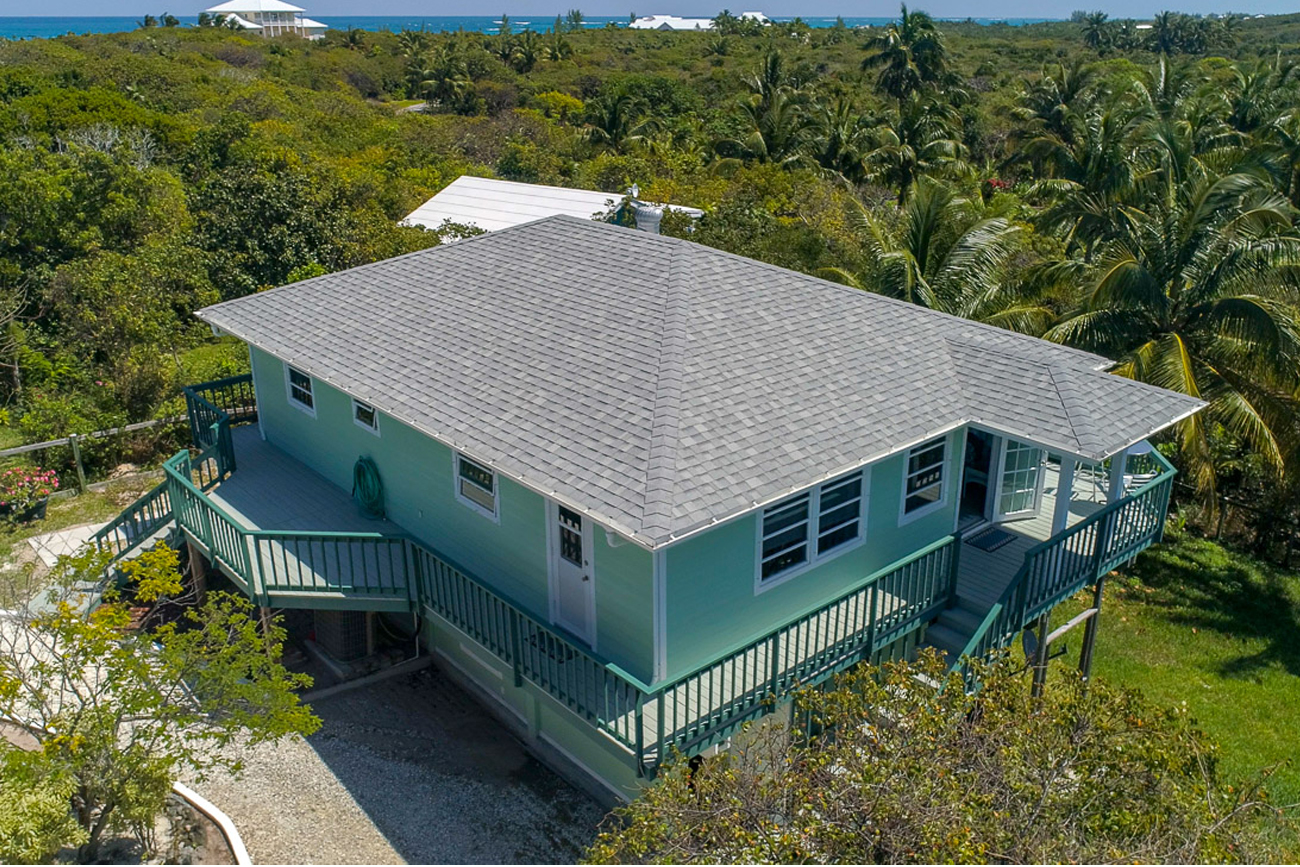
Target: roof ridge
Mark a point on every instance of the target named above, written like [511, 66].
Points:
[661, 468]
[1078, 422]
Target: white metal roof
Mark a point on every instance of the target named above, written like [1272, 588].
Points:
[312, 24]
[671, 22]
[241, 21]
[237, 6]
[491, 204]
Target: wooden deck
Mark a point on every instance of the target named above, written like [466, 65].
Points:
[984, 575]
[276, 493]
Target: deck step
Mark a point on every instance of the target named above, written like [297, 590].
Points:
[961, 620]
[947, 639]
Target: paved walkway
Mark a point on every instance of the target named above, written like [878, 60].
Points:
[407, 770]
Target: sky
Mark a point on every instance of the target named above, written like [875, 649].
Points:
[701, 8]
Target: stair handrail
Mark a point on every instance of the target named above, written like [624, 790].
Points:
[1008, 602]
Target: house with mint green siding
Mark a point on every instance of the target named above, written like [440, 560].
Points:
[633, 491]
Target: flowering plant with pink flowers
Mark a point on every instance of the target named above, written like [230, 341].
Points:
[23, 487]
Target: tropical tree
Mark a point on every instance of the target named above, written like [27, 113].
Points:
[526, 52]
[945, 252]
[838, 140]
[887, 770]
[614, 123]
[123, 699]
[1096, 31]
[1196, 291]
[916, 140]
[910, 55]
[776, 129]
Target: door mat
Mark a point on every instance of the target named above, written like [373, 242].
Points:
[991, 539]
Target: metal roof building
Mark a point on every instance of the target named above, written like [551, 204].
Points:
[491, 204]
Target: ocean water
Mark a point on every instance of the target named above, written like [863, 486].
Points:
[27, 28]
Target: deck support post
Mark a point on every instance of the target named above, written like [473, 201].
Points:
[1064, 493]
[1040, 657]
[1115, 488]
[1090, 632]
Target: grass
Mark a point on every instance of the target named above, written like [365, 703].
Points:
[1193, 622]
[93, 507]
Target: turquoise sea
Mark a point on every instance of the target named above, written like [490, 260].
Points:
[26, 28]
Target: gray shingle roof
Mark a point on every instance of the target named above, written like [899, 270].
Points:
[660, 385]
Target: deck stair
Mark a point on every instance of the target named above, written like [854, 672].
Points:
[953, 629]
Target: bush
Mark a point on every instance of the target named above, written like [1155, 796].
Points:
[889, 769]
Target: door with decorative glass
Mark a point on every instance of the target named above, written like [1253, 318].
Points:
[573, 597]
[1020, 481]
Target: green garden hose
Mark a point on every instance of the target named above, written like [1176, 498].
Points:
[367, 489]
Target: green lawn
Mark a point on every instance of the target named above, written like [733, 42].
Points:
[95, 507]
[1193, 622]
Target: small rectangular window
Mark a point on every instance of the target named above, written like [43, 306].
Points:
[300, 389]
[808, 527]
[476, 486]
[365, 415]
[924, 486]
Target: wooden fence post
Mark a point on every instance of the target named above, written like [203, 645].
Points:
[76, 459]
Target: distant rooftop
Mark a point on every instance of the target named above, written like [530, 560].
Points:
[237, 6]
[491, 204]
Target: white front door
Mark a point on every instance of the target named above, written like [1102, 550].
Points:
[573, 590]
[1020, 481]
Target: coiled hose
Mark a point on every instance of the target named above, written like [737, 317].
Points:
[367, 489]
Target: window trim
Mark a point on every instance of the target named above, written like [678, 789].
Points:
[289, 370]
[906, 517]
[811, 533]
[495, 514]
[374, 429]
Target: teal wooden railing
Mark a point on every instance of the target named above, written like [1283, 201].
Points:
[136, 523]
[1058, 568]
[690, 712]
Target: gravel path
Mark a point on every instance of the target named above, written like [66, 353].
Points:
[411, 769]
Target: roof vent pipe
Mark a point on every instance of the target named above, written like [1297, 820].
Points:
[647, 215]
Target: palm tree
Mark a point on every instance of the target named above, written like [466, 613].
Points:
[777, 127]
[918, 139]
[613, 124]
[944, 252]
[558, 46]
[838, 140]
[1052, 105]
[1197, 293]
[1096, 30]
[910, 55]
[526, 52]
[354, 39]
[1093, 174]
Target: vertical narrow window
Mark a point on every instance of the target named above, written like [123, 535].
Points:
[923, 484]
[365, 416]
[811, 526]
[476, 486]
[300, 389]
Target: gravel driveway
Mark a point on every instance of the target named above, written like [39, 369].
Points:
[407, 770]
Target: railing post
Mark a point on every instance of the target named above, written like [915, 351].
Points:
[774, 663]
[954, 571]
[1102, 542]
[516, 648]
[75, 442]
[639, 718]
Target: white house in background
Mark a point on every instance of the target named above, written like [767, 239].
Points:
[671, 22]
[268, 17]
[490, 204]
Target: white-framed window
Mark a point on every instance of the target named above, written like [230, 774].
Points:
[925, 483]
[365, 416]
[476, 486]
[299, 387]
[808, 528]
